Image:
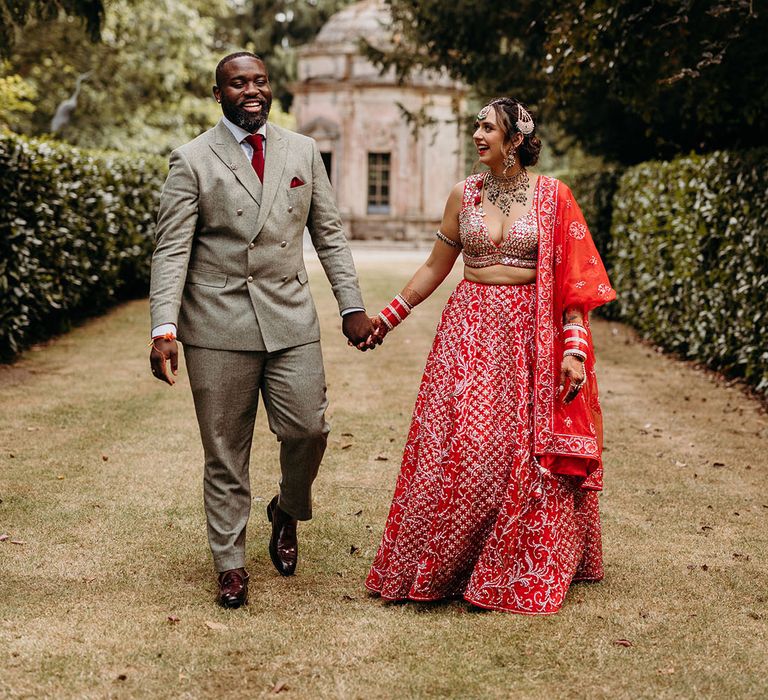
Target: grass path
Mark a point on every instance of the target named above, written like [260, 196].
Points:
[100, 478]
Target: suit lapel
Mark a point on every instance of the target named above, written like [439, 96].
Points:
[274, 164]
[227, 148]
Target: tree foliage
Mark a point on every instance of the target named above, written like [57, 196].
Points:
[150, 78]
[631, 80]
[17, 96]
[274, 29]
[14, 14]
[639, 79]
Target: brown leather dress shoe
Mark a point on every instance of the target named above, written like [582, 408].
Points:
[233, 588]
[283, 545]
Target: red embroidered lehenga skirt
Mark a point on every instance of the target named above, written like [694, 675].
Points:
[473, 515]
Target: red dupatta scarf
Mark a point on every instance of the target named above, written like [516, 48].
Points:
[568, 439]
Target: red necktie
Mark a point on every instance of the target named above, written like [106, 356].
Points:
[257, 161]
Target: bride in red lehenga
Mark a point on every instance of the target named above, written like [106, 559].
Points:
[497, 495]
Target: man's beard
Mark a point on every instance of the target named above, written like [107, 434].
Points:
[244, 119]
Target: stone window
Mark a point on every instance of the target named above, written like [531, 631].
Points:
[378, 183]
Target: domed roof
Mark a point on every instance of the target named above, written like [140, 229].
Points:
[369, 19]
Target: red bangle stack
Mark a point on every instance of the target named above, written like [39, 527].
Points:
[575, 341]
[395, 313]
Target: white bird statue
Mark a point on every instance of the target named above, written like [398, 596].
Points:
[67, 107]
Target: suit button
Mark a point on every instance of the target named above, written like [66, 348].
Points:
[290, 209]
[239, 212]
[251, 245]
[285, 278]
[250, 278]
[283, 244]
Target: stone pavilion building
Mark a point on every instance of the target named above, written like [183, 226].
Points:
[391, 179]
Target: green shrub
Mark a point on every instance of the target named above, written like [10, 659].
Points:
[594, 191]
[76, 234]
[689, 258]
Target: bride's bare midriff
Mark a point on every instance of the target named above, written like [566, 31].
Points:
[499, 274]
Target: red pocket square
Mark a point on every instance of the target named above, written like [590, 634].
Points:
[297, 182]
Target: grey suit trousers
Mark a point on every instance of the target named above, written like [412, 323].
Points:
[226, 386]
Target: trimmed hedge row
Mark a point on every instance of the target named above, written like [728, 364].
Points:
[686, 245]
[689, 257]
[76, 234]
[594, 191]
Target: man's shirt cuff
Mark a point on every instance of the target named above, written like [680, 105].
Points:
[351, 310]
[162, 329]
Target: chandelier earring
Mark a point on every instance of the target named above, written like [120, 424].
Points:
[509, 160]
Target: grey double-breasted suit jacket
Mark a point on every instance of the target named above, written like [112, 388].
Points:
[228, 268]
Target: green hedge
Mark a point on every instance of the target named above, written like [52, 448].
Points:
[594, 191]
[689, 258]
[76, 234]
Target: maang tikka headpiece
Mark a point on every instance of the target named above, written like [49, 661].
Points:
[483, 113]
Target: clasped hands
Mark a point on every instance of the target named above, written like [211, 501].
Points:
[363, 332]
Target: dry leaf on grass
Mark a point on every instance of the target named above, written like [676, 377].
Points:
[173, 618]
[279, 687]
[354, 550]
[382, 458]
[5, 536]
[104, 458]
[356, 513]
[622, 642]
[18, 541]
[666, 671]
[346, 446]
[215, 625]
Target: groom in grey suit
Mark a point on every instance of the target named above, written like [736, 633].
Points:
[228, 280]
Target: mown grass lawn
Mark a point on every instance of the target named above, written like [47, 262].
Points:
[107, 589]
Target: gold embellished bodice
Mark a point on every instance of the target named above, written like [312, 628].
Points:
[519, 246]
